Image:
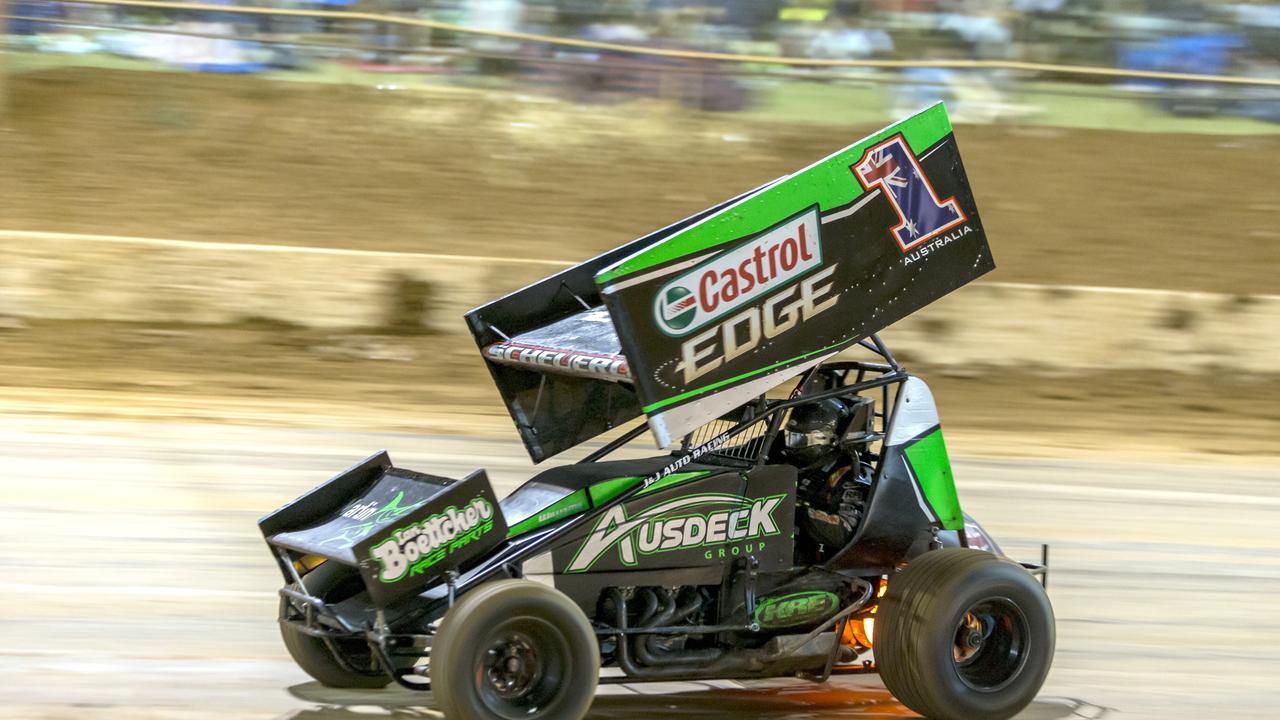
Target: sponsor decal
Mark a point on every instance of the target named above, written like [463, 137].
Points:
[692, 521]
[734, 278]
[370, 517]
[922, 251]
[580, 363]
[687, 458]
[360, 511]
[802, 608]
[557, 513]
[744, 331]
[893, 168]
[678, 307]
[413, 549]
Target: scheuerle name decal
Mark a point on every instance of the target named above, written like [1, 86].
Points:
[767, 262]
[413, 549]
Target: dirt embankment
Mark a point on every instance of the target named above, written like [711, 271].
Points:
[428, 383]
[250, 160]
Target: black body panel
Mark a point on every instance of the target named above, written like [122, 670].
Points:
[709, 521]
[319, 503]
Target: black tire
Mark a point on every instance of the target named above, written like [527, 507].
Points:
[332, 582]
[964, 635]
[514, 649]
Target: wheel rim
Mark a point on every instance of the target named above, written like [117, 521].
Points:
[989, 648]
[521, 667]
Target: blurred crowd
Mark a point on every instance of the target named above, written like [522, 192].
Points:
[1186, 36]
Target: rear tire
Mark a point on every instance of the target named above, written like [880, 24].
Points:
[964, 635]
[514, 650]
[331, 582]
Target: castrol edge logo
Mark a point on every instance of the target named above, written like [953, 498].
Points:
[769, 261]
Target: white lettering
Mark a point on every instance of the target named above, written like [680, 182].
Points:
[736, 277]
[761, 522]
[711, 348]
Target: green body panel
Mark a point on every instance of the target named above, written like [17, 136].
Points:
[566, 506]
[932, 468]
[606, 490]
[595, 496]
[827, 183]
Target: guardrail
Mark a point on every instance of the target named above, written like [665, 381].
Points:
[1009, 65]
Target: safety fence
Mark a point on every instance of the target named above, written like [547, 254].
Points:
[1047, 69]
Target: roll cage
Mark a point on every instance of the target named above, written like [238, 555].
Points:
[756, 425]
[763, 412]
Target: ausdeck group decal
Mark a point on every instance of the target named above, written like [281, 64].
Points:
[413, 549]
[678, 525]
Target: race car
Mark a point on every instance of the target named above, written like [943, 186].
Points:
[800, 517]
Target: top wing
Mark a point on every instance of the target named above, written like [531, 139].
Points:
[748, 296]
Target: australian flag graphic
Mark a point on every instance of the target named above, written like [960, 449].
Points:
[891, 167]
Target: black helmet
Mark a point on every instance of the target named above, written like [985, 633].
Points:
[813, 431]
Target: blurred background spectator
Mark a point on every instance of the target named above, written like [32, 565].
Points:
[1182, 36]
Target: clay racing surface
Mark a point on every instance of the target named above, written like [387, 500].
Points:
[137, 586]
[136, 459]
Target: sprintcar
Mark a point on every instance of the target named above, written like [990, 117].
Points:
[799, 519]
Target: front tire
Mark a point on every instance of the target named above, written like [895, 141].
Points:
[964, 635]
[514, 650]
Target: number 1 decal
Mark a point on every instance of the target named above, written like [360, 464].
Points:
[892, 167]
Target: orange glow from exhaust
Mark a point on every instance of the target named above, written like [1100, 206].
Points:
[864, 630]
[307, 563]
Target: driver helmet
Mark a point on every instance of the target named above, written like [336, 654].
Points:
[812, 431]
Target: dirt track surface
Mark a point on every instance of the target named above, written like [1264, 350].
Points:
[308, 378]
[137, 586]
[251, 160]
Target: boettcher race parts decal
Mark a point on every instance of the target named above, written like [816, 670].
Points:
[415, 548]
[716, 523]
[456, 525]
[725, 308]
